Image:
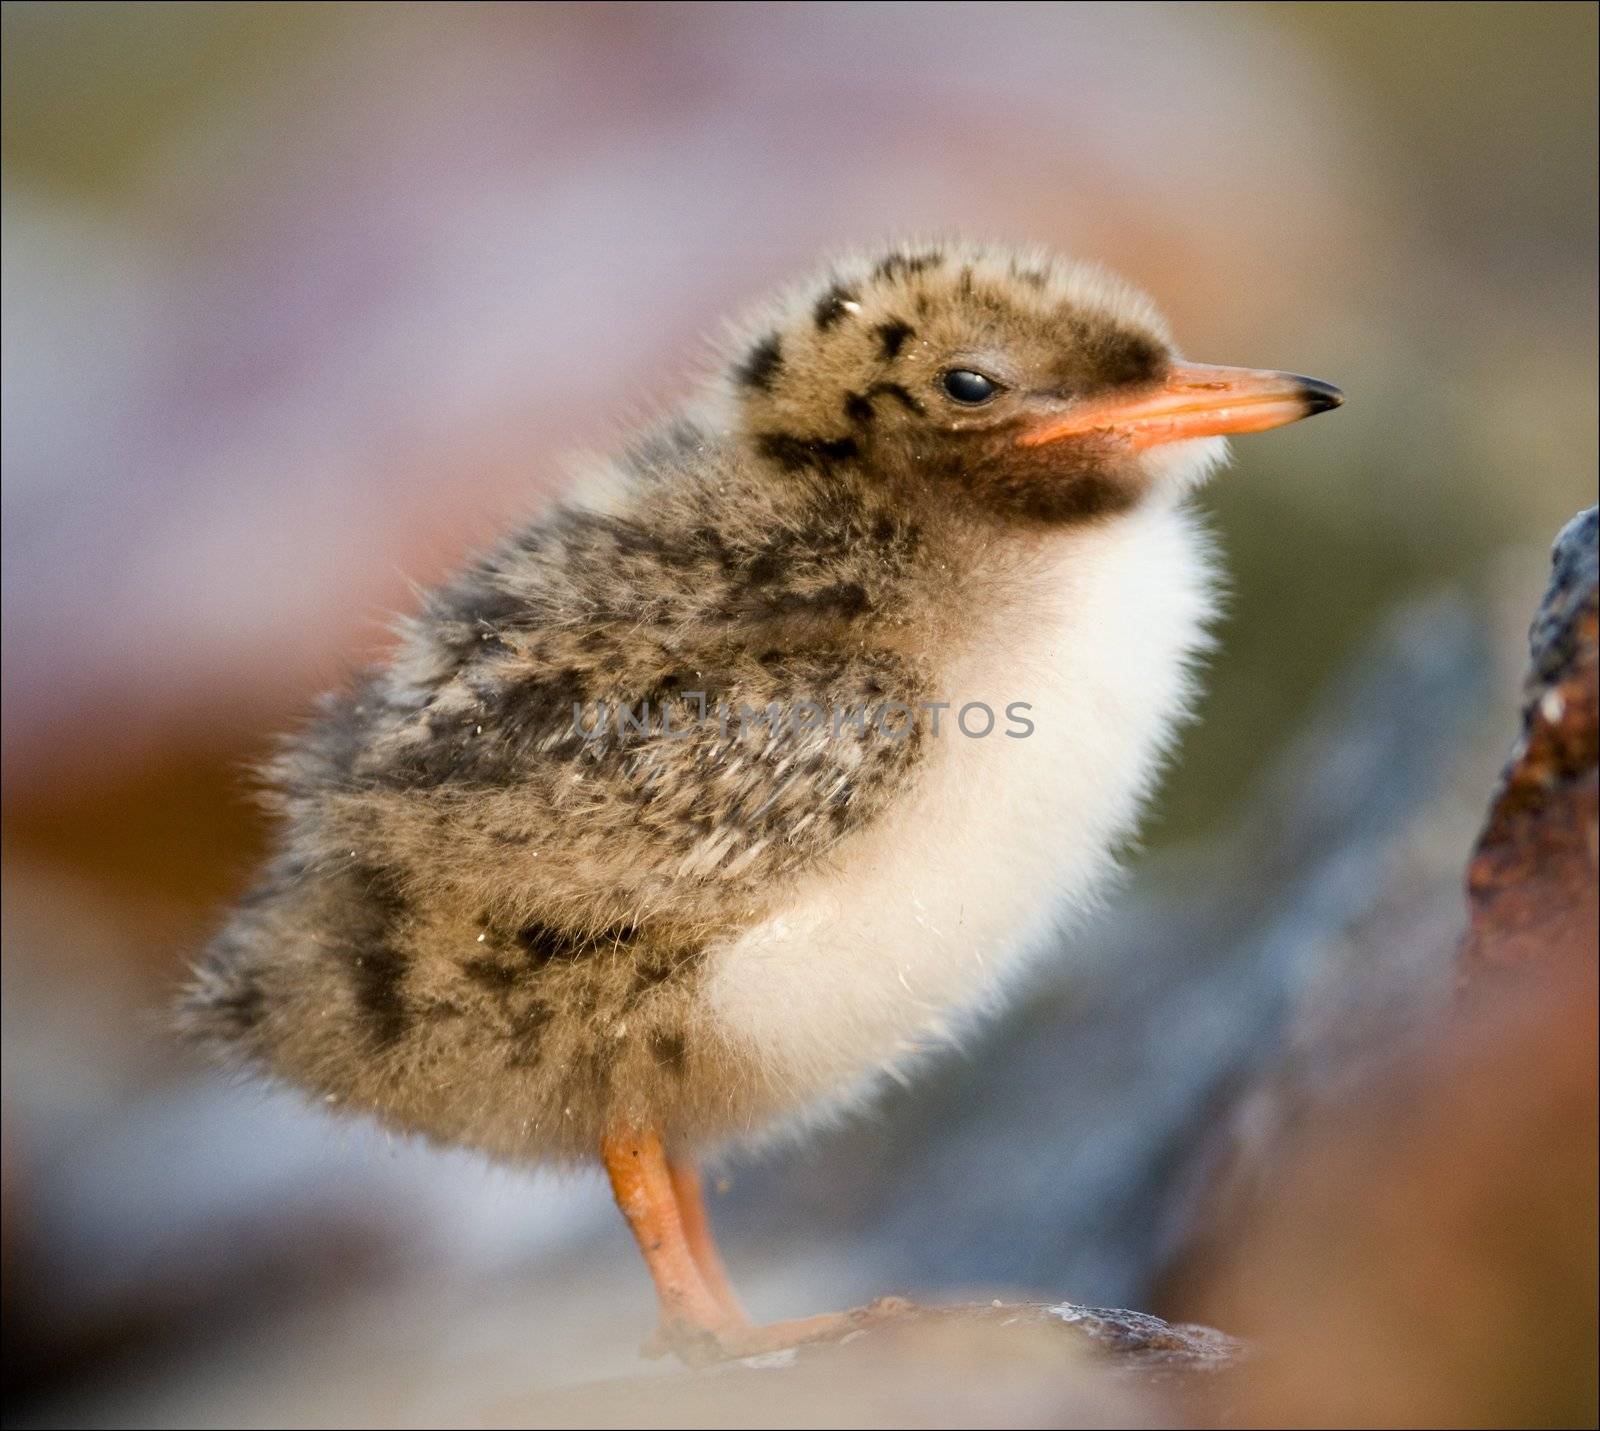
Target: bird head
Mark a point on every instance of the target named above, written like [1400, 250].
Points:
[1047, 390]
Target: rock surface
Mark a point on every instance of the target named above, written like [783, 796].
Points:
[978, 1364]
[1531, 883]
[1412, 1240]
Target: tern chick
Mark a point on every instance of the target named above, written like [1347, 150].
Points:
[765, 759]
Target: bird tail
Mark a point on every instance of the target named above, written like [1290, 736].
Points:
[221, 1007]
[225, 1003]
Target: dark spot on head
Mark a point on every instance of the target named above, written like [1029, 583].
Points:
[794, 453]
[858, 408]
[760, 365]
[892, 335]
[900, 395]
[899, 264]
[1125, 359]
[831, 307]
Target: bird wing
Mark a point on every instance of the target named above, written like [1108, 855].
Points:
[593, 753]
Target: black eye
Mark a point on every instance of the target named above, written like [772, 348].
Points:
[969, 387]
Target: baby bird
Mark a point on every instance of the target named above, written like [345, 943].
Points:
[762, 762]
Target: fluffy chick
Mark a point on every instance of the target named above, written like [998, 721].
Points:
[673, 819]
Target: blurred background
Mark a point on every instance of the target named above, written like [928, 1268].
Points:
[302, 303]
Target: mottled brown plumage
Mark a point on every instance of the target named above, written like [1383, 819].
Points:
[490, 924]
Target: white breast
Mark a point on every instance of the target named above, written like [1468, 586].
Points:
[929, 917]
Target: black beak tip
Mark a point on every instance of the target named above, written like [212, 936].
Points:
[1319, 396]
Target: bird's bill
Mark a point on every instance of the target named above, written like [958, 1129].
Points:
[1195, 400]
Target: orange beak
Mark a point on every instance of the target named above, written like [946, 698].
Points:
[1195, 400]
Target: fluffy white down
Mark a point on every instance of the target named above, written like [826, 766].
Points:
[920, 923]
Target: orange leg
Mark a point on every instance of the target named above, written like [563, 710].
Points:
[702, 1245]
[642, 1184]
[700, 1318]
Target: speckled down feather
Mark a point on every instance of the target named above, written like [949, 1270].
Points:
[485, 925]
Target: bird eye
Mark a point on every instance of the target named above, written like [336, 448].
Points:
[966, 386]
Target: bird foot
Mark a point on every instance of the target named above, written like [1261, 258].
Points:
[705, 1346]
